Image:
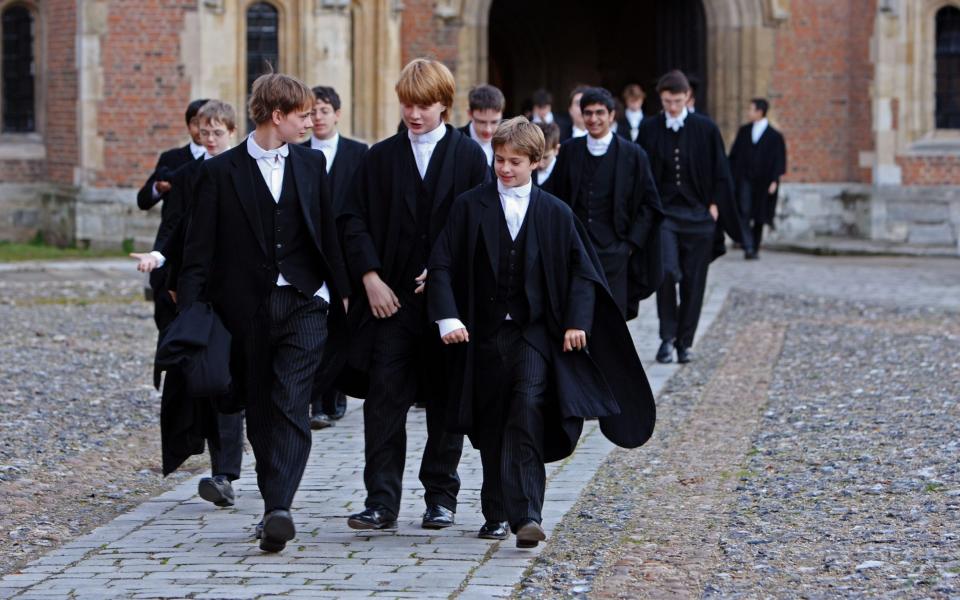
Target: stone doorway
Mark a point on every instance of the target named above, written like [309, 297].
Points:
[558, 44]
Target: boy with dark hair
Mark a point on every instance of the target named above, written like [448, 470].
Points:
[608, 183]
[518, 294]
[486, 104]
[343, 156]
[628, 123]
[757, 160]
[551, 138]
[262, 248]
[155, 190]
[397, 206]
[690, 166]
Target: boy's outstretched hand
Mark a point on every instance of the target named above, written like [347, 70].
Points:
[457, 336]
[574, 339]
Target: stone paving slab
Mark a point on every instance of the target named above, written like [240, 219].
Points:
[176, 545]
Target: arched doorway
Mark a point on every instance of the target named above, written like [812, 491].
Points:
[557, 44]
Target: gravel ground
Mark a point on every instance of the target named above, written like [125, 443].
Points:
[842, 479]
[79, 418]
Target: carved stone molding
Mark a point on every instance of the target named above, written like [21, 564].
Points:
[776, 12]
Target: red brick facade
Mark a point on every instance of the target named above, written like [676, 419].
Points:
[146, 88]
[63, 145]
[423, 34]
[930, 170]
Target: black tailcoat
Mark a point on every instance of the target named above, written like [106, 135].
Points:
[169, 161]
[637, 210]
[180, 201]
[759, 165]
[565, 123]
[379, 218]
[225, 254]
[623, 129]
[709, 171]
[345, 163]
[606, 381]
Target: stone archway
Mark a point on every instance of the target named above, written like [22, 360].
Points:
[740, 51]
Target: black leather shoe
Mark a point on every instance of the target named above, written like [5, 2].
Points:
[278, 529]
[437, 517]
[494, 530]
[372, 518]
[340, 408]
[320, 421]
[684, 355]
[752, 255]
[665, 353]
[216, 489]
[259, 530]
[529, 534]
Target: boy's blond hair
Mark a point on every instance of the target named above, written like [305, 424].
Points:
[276, 91]
[424, 81]
[216, 110]
[522, 135]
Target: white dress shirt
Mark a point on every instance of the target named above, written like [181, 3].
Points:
[544, 173]
[577, 132]
[515, 201]
[634, 117]
[676, 123]
[598, 147]
[487, 146]
[423, 145]
[546, 120]
[327, 146]
[271, 164]
[758, 128]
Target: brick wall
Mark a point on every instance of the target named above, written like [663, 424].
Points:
[422, 34]
[930, 170]
[145, 89]
[63, 153]
[821, 89]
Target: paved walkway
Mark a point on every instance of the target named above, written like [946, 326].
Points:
[176, 545]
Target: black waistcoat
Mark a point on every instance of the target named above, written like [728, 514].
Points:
[290, 249]
[594, 205]
[679, 196]
[505, 293]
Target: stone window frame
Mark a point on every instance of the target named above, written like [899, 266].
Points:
[30, 145]
[927, 138]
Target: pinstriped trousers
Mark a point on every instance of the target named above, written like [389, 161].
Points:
[289, 338]
[511, 426]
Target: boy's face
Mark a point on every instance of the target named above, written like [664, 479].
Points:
[541, 112]
[597, 120]
[574, 111]
[485, 122]
[635, 104]
[673, 104]
[325, 120]
[216, 137]
[420, 118]
[293, 126]
[194, 128]
[512, 166]
[754, 114]
[548, 155]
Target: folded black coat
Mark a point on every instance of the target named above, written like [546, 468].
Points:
[195, 352]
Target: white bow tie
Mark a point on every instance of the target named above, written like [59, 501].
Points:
[674, 123]
[515, 193]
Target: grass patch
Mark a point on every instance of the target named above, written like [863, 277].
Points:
[39, 249]
[934, 487]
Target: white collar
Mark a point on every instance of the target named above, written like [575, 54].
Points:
[545, 120]
[676, 123]
[257, 152]
[634, 117]
[206, 155]
[430, 137]
[598, 147]
[520, 192]
[577, 132]
[331, 142]
[761, 126]
[196, 150]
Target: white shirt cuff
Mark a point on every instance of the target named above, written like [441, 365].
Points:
[161, 259]
[324, 292]
[449, 326]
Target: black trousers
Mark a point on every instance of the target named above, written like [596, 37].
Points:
[511, 400]
[406, 368]
[226, 453]
[288, 338]
[754, 215]
[326, 401]
[164, 308]
[686, 258]
[615, 258]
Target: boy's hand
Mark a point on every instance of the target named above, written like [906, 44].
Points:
[574, 339]
[421, 282]
[173, 295]
[714, 212]
[163, 186]
[146, 262]
[457, 336]
[383, 302]
[772, 189]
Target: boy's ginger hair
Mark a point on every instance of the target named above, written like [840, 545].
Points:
[424, 82]
[522, 135]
